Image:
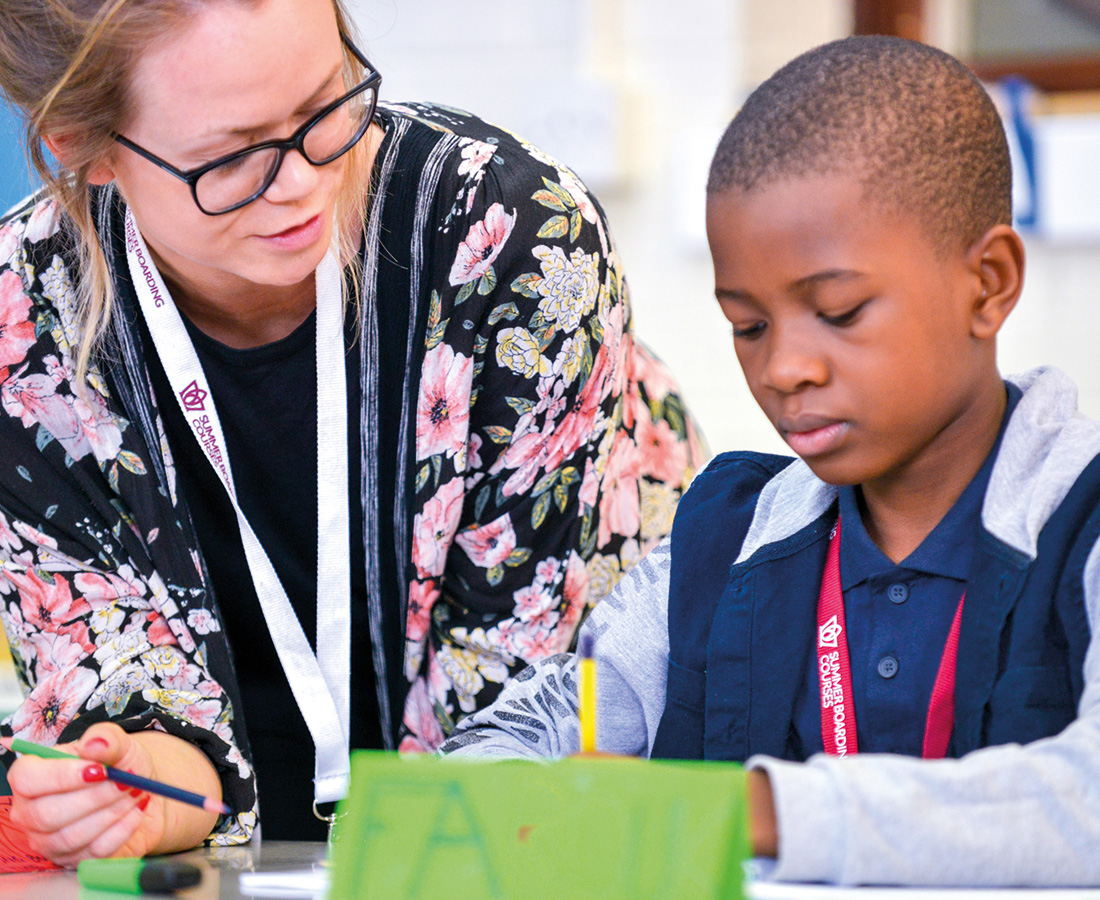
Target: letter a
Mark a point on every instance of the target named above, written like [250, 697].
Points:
[456, 829]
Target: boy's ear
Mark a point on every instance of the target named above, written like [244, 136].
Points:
[61, 146]
[996, 260]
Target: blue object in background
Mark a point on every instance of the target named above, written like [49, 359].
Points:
[15, 184]
[1021, 145]
[15, 179]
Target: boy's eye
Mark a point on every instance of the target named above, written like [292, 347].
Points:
[749, 331]
[840, 320]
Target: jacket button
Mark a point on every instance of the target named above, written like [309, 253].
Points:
[898, 593]
[888, 667]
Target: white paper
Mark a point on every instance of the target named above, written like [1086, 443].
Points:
[290, 883]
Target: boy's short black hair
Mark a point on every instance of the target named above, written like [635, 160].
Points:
[910, 120]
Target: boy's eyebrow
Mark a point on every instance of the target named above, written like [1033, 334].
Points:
[809, 281]
[726, 294]
[798, 286]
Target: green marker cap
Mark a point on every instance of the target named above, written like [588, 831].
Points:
[134, 875]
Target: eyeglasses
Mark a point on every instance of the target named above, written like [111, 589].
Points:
[235, 180]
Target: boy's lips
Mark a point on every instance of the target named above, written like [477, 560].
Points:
[812, 435]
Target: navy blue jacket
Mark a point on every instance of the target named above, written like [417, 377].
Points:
[741, 631]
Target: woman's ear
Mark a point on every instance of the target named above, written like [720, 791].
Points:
[61, 146]
[996, 260]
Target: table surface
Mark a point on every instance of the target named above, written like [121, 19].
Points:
[221, 867]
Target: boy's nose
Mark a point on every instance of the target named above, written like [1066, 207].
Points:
[793, 363]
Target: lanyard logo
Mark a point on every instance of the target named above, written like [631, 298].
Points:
[194, 399]
[828, 633]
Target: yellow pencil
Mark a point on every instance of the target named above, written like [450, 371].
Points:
[586, 690]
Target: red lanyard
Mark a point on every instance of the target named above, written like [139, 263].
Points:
[838, 720]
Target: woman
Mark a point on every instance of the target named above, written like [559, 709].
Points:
[170, 568]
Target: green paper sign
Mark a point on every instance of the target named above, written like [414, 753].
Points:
[420, 826]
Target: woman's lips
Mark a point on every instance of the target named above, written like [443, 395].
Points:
[297, 236]
[812, 438]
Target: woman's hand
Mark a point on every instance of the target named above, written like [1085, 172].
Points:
[71, 812]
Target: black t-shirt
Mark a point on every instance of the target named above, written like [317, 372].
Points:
[266, 399]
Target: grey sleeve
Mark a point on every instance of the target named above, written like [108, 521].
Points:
[536, 713]
[1007, 815]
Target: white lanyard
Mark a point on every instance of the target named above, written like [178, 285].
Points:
[320, 683]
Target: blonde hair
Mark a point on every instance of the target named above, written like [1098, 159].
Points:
[67, 65]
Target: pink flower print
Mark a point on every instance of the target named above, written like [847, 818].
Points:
[52, 705]
[46, 606]
[574, 592]
[100, 589]
[590, 486]
[43, 222]
[483, 244]
[182, 677]
[533, 603]
[58, 370]
[434, 527]
[663, 455]
[443, 408]
[34, 536]
[528, 455]
[634, 408]
[158, 633]
[473, 452]
[198, 710]
[425, 733]
[16, 331]
[551, 397]
[538, 643]
[422, 597]
[489, 545]
[8, 538]
[587, 208]
[474, 157]
[547, 570]
[10, 237]
[620, 505]
[202, 621]
[100, 432]
[34, 399]
[579, 193]
[651, 373]
[79, 427]
[209, 688]
[578, 425]
[56, 652]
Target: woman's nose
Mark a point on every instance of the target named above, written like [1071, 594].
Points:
[297, 177]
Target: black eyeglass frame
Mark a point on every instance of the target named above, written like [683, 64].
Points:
[295, 142]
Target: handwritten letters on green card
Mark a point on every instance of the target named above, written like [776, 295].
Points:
[422, 827]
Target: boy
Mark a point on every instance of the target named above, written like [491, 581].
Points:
[859, 220]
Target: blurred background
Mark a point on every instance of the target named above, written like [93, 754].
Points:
[634, 94]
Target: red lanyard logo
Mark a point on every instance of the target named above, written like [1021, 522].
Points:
[834, 668]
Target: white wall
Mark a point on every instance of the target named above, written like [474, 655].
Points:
[634, 95]
[634, 98]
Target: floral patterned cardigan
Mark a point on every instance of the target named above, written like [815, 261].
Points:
[543, 449]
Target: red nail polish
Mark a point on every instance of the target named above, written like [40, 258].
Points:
[121, 787]
[136, 792]
[94, 773]
[144, 803]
